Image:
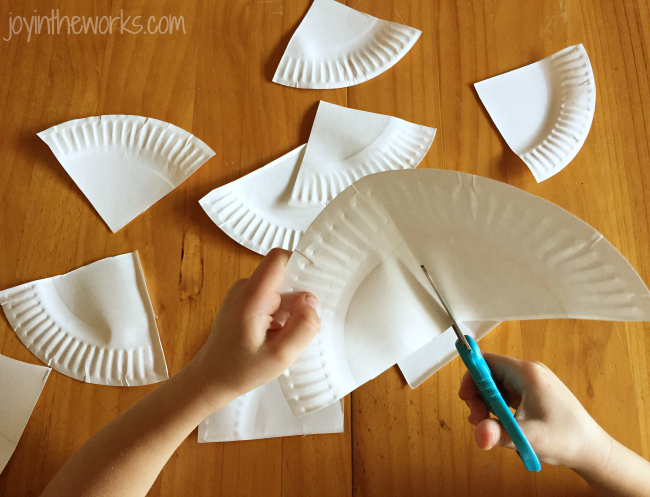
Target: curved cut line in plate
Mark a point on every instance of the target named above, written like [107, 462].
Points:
[496, 253]
[544, 110]
[347, 144]
[336, 46]
[254, 209]
[58, 336]
[124, 164]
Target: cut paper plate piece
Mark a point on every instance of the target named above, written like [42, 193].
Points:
[544, 110]
[20, 386]
[424, 362]
[348, 144]
[254, 210]
[336, 46]
[264, 413]
[95, 324]
[496, 253]
[125, 164]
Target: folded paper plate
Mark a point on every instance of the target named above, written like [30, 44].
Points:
[264, 413]
[95, 324]
[424, 362]
[496, 253]
[544, 110]
[336, 46]
[20, 386]
[348, 144]
[125, 164]
[254, 210]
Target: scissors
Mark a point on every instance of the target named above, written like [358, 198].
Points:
[480, 373]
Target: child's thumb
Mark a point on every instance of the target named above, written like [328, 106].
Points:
[300, 328]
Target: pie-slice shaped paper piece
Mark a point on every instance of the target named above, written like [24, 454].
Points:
[496, 253]
[424, 362]
[125, 164]
[544, 110]
[264, 413]
[95, 324]
[348, 144]
[336, 46]
[254, 210]
[20, 386]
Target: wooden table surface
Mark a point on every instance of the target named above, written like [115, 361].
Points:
[215, 81]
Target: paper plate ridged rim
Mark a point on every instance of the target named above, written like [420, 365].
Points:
[176, 147]
[71, 356]
[390, 42]
[230, 210]
[574, 82]
[402, 145]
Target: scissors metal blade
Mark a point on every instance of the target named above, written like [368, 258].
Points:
[454, 324]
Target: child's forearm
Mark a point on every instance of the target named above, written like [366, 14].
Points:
[125, 457]
[247, 347]
[614, 470]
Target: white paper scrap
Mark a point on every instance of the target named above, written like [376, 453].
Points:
[496, 253]
[424, 362]
[544, 110]
[348, 144]
[20, 386]
[254, 210]
[336, 46]
[95, 324]
[264, 413]
[125, 164]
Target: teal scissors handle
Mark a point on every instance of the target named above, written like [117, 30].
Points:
[482, 377]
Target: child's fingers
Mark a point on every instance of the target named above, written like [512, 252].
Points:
[478, 411]
[490, 433]
[300, 328]
[267, 277]
[467, 388]
[507, 370]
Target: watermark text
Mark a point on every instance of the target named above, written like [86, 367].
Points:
[56, 23]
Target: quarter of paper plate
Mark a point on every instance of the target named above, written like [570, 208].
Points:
[544, 110]
[264, 413]
[95, 324]
[254, 210]
[497, 253]
[20, 386]
[336, 46]
[348, 144]
[125, 164]
[424, 362]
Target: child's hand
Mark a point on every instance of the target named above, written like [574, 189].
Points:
[257, 334]
[553, 420]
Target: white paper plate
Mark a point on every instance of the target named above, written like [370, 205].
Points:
[336, 46]
[347, 144]
[254, 210]
[497, 253]
[95, 324]
[264, 413]
[20, 386]
[544, 110]
[125, 164]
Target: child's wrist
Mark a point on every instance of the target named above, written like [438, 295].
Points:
[594, 456]
[214, 391]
